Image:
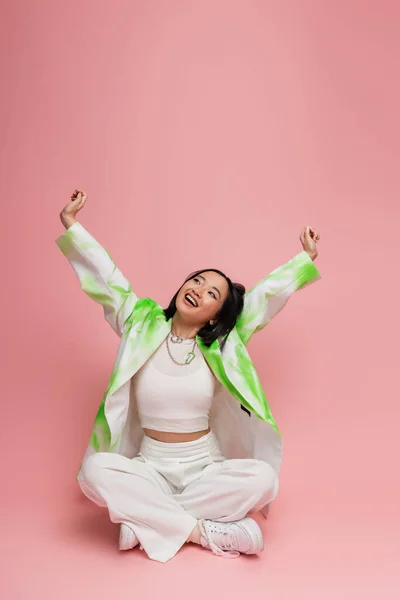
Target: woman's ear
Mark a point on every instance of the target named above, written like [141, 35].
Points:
[213, 321]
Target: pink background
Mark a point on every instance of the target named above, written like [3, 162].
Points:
[205, 134]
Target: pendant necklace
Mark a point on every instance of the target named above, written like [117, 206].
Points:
[176, 339]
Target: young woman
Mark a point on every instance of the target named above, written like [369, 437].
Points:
[184, 446]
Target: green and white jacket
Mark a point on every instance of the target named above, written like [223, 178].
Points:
[240, 416]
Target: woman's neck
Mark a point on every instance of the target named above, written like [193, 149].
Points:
[184, 330]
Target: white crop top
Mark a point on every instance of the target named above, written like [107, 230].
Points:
[171, 397]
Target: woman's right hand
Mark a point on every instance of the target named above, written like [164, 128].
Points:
[70, 210]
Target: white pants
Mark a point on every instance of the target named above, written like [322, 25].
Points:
[162, 492]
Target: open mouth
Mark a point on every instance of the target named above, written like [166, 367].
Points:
[190, 300]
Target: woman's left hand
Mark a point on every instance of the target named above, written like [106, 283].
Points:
[309, 238]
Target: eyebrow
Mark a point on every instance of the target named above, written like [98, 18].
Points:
[213, 287]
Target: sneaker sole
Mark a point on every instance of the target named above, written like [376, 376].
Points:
[256, 534]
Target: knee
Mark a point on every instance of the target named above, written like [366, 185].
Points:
[265, 479]
[92, 467]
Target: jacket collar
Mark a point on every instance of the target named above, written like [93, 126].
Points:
[235, 370]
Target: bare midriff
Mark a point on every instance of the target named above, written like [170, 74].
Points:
[171, 437]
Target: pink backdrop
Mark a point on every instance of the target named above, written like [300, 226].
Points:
[205, 133]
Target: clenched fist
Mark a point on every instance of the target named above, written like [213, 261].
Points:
[70, 210]
[309, 238]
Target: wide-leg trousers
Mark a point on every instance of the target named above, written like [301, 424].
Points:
[162, 492]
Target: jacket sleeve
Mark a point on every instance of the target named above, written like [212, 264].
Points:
[270, 295]
[100, 279]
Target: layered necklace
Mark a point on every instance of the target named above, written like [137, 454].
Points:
[176, 339]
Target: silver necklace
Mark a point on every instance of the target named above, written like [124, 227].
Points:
[175, 339]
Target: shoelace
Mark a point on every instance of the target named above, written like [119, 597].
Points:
[223, 543]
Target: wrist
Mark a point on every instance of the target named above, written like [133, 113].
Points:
[67, 220]
[312, 255]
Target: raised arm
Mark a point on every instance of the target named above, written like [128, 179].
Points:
[270, 295]
[99, 277]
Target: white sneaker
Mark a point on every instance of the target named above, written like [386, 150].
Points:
[127, 538]
[231, 539]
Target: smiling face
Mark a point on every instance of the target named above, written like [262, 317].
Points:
[200, 298]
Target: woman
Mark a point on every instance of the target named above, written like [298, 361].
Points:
[184, 446]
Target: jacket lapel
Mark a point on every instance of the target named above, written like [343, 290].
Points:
[146, 334]
[221, 369]
[237, 373]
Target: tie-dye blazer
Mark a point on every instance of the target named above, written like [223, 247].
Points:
[240, 415]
